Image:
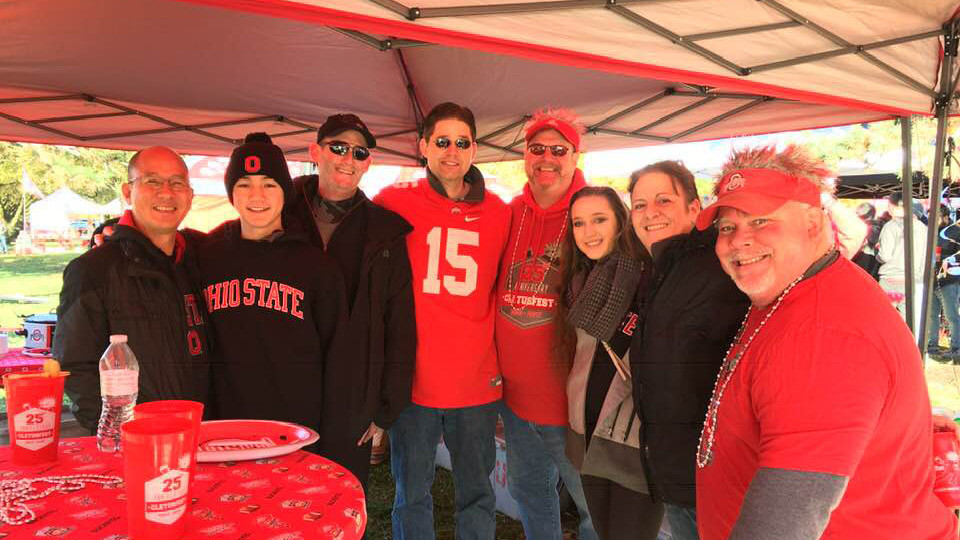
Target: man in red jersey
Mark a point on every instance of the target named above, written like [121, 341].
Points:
[459, 232]
[820, 424]
[534, 378]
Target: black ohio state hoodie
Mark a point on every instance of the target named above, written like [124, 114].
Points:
[275, 307]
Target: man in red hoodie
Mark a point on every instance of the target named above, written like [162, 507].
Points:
[534, 378]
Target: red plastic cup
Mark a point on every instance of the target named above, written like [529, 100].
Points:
[34, 402]
[156, 472]
[946, 466]
[175, 408]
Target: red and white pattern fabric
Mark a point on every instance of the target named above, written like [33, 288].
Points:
[14, 361]
[294, 497]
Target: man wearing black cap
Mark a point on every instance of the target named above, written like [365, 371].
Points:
[368, 244]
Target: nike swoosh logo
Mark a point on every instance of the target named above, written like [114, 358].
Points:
[468, 219]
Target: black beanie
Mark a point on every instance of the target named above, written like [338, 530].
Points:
[258, 155]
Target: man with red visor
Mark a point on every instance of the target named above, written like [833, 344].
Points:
[534, 378]
[819, 425]
[139, 284]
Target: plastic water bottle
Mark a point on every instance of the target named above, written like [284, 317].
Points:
[119, 375]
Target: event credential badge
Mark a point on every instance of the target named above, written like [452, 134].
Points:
[165, 496]
[34, 426]
[531, 296]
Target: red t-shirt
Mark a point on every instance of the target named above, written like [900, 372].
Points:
[455, 251]
[833, 383]
[534, 379]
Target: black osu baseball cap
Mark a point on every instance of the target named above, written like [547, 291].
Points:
[338, 123]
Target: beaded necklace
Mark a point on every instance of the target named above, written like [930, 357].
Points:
[511, 282]
[15, 493]
[709, 432]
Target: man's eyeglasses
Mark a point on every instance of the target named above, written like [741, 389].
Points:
[558, 150]
[462, 142]
[156, 183]
[340, 148]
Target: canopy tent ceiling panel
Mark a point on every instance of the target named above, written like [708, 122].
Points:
[199, 74]
[703, 36]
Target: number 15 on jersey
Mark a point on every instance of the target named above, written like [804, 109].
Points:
[454, 238]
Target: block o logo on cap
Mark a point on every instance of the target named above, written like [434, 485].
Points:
[736, 181]
[251, 164]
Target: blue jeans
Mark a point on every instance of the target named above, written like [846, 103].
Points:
[535, 459]
[469, 435]
[683, 522]
[945, 298]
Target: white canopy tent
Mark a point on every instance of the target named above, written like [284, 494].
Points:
[55, 212]
[198, 74]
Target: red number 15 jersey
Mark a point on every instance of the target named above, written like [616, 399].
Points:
[455, 251]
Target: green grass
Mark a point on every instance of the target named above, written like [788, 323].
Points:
[380, 501]
[36, 276]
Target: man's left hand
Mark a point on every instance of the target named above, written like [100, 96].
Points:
[373, 433]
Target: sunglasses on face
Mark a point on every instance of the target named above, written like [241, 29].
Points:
[558, 150]
[462, 142]
[340, 148]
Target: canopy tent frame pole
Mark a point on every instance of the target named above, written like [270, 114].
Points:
[943, 103]
[635, 107]
[906, 177]
[690, 42]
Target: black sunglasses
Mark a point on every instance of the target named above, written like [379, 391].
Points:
[558, 150]
[340, 148]
[462, 142]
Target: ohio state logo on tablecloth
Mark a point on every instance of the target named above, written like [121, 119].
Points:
[165, 496]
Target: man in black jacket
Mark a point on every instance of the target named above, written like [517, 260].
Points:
[368, 243]
[139, 284]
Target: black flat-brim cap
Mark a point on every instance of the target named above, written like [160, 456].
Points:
[338, 123]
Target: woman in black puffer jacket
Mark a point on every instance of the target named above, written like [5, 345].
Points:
[691, 311]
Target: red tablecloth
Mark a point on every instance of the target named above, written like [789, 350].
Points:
[300, 496]
[14, 361]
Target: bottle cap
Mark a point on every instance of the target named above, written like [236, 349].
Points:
[118, 338]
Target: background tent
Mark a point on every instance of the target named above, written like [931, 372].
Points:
[197, 75]
[56, 211]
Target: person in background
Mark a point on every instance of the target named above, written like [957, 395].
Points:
[534, 376]
[946, 290]
[603, 267]
[459, 233]
[890, 251]
[691, 311]
[866, 258]
[370, 386]
[275, 300]
[142, 284]
[819, 425]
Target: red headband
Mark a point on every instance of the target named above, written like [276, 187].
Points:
[569, 132]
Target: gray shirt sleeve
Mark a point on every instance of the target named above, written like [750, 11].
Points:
[788, 505]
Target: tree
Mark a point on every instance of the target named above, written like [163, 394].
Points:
[92, 172]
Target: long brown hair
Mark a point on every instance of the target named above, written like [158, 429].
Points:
[574, 262]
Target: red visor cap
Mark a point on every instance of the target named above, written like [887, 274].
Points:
[758, 192]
